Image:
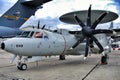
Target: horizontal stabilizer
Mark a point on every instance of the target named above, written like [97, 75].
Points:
[34, 3]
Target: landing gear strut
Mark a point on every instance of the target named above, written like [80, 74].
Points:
[61, 57]
[104, 59]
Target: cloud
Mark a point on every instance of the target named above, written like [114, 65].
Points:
[51, 11]
[5, 5]
[56, 8]
[49, 21]
[115, 6]
[117, 1]
[1, 3]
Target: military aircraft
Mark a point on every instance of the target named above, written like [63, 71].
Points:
[19, 13]
[42, 42]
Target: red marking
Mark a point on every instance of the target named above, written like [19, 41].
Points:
[38, 35]
[113, 48]
[118, 48]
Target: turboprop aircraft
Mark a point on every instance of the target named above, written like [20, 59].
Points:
[19, 13]
[42, 42]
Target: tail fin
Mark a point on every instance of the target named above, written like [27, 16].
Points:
[111, 25]
[20, 12]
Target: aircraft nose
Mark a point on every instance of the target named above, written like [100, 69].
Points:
[3, 45]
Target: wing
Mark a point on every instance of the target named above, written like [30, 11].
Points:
[113, 32]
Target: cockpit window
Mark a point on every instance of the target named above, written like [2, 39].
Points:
[31, 34]
[38, 35]
[25, 34]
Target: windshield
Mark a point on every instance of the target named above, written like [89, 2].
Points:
[27, 34]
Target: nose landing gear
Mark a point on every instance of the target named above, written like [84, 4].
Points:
[21, 65]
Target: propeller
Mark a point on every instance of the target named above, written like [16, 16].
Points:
[43, 27]
[38, 27]
[88, 31]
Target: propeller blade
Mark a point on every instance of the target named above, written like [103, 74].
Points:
[102, 31]
[89, 17]
[38, 27]
[87, 47]
[98, 20]
[114, 37]
[98, 44]
[79, 21]
[91, 43]
[77, 43]
[43, 27]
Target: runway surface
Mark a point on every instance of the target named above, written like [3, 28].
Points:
[73, 68]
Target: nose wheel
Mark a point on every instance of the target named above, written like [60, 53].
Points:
[22, 66]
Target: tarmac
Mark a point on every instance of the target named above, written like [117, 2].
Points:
[73, 68]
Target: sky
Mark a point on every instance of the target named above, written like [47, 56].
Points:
[51, 11]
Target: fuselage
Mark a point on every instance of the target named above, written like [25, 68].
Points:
[38, 42]
[51, 43]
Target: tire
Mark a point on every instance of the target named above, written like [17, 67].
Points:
[62, 57]
[104, 59]
[23, 67]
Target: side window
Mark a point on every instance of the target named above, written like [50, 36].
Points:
[38, 35]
